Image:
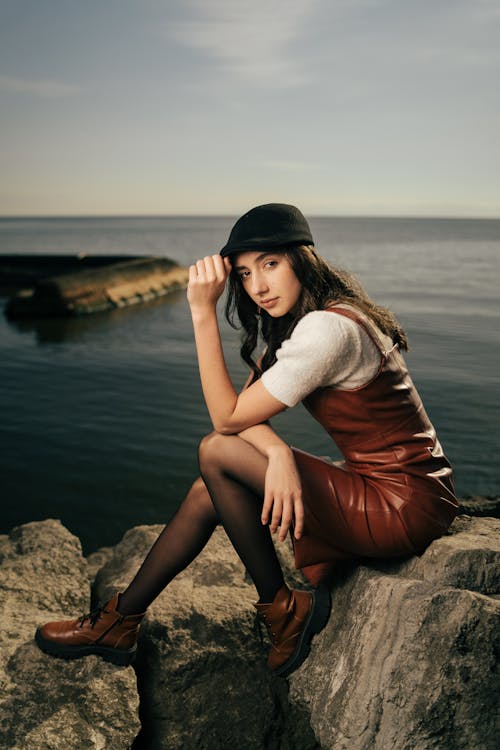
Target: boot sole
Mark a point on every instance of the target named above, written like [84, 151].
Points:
[318, 617]
[120, 657]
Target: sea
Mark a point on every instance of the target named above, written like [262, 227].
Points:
[101, 416]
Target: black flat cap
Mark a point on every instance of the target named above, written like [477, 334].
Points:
[269, 226]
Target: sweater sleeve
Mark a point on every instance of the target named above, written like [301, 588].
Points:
[324, 350]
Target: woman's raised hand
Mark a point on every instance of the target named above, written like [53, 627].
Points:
[283, 495]
[207, 279]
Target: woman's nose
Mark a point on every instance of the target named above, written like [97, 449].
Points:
[259, 284]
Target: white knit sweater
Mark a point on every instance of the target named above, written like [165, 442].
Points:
[324, 349]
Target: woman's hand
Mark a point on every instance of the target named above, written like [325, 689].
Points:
[283, 494]
[207, 279]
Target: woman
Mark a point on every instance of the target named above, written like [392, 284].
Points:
[330, 346]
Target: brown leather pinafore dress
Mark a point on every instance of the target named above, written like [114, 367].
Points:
[394, 493]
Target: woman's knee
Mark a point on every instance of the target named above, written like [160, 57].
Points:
[199, 487]
[211, 450]
[200, 497]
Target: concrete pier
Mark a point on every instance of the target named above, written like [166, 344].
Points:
[51, 285]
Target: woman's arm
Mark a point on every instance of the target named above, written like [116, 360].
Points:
[230, 413]
[282, 504]
[283, 488]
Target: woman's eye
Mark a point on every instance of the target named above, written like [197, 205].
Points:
[243, 275]
[272, 263]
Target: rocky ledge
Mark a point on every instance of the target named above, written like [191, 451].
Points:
[406, 661]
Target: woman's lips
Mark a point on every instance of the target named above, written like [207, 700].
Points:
[269, 302]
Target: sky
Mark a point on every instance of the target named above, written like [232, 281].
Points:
[172, 107]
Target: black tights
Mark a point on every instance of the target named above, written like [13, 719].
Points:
[229, 491]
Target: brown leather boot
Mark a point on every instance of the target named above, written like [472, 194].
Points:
[104, 631]
[291, 619]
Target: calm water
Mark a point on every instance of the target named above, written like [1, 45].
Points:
[101, 417]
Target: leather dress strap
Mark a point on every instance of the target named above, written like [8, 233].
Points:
[349, 311]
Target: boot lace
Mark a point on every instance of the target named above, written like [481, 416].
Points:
[95, 614]
[258, 622]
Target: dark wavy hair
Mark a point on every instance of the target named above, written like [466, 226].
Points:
[322, 286]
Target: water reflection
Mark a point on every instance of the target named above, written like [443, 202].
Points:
[68, 329]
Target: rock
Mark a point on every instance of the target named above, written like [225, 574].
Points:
[405, 662]
[467, 558]
[96, 560]
[478, 505]
[407, 659]
[201, 670]
[49, 703]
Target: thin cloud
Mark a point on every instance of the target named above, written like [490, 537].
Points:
[256, 40]
[42, 88]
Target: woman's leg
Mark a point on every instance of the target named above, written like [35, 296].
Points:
[231, 490]
[111, 629]
[234, 474]
[178, 544]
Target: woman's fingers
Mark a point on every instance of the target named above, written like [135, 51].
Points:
[219, 266]
[205, 270]
[266, 507]
[207, 279]
[298, 512]
[281, 517]
[276, 517]
[210, 272]
[212, 268]
[283, 513]
[286, 520]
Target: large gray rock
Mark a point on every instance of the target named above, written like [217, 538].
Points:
[48, 703]
[201, 669]
[407, 660]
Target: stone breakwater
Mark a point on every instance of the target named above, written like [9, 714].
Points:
[406, 661]
[65, 285]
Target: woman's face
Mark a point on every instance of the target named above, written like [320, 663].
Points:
[269, 280]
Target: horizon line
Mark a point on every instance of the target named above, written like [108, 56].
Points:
[441, 217]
